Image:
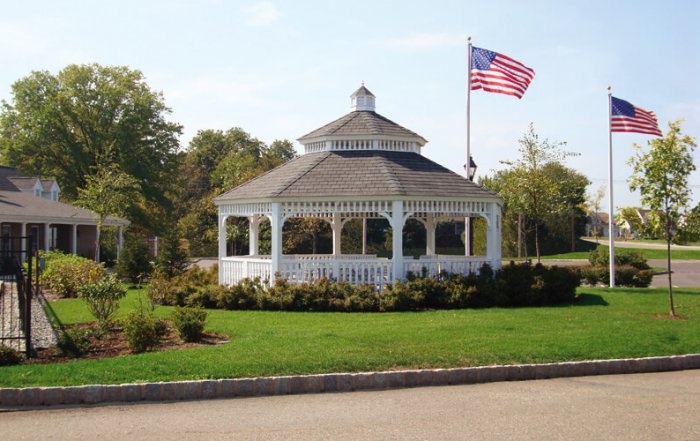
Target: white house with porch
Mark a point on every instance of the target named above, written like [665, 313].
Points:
[360, 166]
[29, 206]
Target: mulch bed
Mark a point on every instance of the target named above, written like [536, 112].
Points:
[113, 344]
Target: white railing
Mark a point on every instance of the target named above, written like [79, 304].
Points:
[436, 264]
[236, 268]
[354, 269]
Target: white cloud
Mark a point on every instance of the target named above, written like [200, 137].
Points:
[427, 41]
[262, 13]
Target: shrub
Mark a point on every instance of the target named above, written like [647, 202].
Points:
[625, 275]
[158, 289]
[189, 322]
[133, 263]
[102, 298]
[143, 330]
[64, 274]
[200, 284]
[601, 257]
[75, 342]
[172, 257]
[9, 356]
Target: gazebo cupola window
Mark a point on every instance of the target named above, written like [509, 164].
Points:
[360, 166]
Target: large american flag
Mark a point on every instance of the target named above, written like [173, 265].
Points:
[494, 72]
[628, 118]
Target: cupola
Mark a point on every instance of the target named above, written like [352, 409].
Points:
[362, 100]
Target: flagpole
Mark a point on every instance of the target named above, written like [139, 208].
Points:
[469, 90]
[611, 218]
[467, 167]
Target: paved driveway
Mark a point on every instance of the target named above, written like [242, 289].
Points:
[661, 406]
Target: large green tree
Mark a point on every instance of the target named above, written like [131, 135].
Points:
[63, 125]
[217, 161]
[529, 187]
[661, 176]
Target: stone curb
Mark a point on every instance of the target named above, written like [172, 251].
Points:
[342, 382]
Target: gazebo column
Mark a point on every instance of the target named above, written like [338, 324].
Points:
[276, 224]
[364, 235]
[337, 228]
[430, 235]
[253, 231]
[397, 222]
[467, 236]
[222, 246]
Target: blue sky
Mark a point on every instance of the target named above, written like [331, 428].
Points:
[279, 69]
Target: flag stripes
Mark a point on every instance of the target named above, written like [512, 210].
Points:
[498, 73]
[626, 117]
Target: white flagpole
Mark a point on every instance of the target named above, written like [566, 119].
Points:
[611, 219]
[467, 220]
[469, 93]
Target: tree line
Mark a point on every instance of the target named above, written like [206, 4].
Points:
[108, 140]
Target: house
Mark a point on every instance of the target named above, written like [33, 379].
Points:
[29, 206]
[632, 222]
[597, 225]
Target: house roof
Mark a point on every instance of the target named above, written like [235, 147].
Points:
[47, 184]
[23, 183]
[362, 123]
[16, 206]
[366, 173]
[362, 91]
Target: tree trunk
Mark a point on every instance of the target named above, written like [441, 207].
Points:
[537, 241]
[668, 262]
[520, 234]
[573, 230]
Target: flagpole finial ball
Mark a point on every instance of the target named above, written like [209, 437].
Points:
[469, 39]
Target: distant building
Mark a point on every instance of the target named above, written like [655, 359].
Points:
[30, 206]
[598, 224]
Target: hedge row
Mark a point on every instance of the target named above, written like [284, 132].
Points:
[514, 285]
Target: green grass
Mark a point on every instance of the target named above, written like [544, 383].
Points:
[604, 324]
[647, 253]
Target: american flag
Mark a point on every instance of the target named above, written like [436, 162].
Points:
[494, 72]
[628, 118]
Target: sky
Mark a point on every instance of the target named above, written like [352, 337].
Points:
[280, 69]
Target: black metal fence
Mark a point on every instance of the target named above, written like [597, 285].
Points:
[18, 265]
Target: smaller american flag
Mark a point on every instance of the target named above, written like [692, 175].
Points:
[494, 72]
[628, 118]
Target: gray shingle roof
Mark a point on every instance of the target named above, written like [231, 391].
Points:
[15, 204]
[362, 91]
[360, 123]
[358, 173]
[23, 183]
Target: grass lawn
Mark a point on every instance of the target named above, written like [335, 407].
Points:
[603, 324]
[647, 253]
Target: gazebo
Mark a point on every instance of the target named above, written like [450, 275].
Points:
[360, 166]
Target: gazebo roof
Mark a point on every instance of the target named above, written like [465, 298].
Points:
[362, 123]
[358, 173]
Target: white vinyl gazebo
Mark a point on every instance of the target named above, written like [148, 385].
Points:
[360, 166]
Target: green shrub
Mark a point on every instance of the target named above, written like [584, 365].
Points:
[601, 257]
[625, 275]
[75, 342]
[159, 289]
[64, 274]
[172, 256]
[143, 330]
[9, 356]
[133, 263]
[102, 298]
[189, 322]
[201, 285]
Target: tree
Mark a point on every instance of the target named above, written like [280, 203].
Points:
[107, 192]
[689, 230]
[629, 216]
[134, 263]
[661, 176]
[63, 125]
[529, 189]
[593, 203]
[216, 161]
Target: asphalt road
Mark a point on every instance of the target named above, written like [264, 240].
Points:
[660, 406]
